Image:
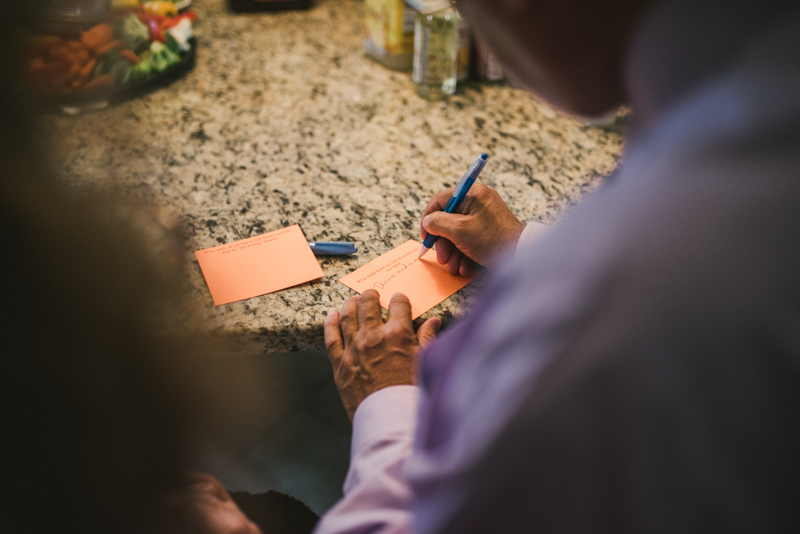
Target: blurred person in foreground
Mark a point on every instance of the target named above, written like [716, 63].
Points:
[105, 401]
[637, 367]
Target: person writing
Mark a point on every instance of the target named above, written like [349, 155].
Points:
[635, 368]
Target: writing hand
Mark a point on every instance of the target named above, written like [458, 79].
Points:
[368, 354]
[483, 225]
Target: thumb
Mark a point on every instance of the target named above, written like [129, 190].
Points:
[427, 332]
[451, 226]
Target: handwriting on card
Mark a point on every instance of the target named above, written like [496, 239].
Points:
[258, 265]
[247, 243]
[391, 270]
[422, 280]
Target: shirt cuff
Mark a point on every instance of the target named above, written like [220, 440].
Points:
[532, 233]
[390, 411]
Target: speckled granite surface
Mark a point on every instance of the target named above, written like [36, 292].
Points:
[285, 121]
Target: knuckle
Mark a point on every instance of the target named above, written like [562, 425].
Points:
[399, 298]
[395, 331]
[480, 189]
[398, 334]
[485, 193]
[369, 294]
[368, 339]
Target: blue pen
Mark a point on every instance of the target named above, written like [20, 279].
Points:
[333, 248]
[459, 193]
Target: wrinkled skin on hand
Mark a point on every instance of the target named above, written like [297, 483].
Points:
[482, 226]
[203, 506]
[368, 354]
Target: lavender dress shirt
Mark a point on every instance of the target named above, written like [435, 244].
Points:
[636, 368]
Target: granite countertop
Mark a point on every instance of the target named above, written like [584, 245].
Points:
[284, 121]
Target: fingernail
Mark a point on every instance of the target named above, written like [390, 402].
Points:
[394, 295]
[425, 222]
[437, 325]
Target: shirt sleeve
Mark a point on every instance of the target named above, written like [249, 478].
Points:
[377, 496]
[533, 232]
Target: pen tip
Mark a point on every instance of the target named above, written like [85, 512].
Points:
[484, 156]
[422, 251]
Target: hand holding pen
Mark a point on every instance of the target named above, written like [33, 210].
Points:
[459, 194]
[472, 232]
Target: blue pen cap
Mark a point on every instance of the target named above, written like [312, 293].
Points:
[333, 248]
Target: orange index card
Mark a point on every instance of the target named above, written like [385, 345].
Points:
[258, 265]
[422, 280]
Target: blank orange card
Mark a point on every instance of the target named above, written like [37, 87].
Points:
[258, 265]
[422, 280]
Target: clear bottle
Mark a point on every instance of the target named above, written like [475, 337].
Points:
[435, 54]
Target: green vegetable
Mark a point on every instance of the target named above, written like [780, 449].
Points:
[172, 43]
[133, 32]
[181, 32]
[121, 71]
[105, 62]
[142, 69]
[174, 58]
[161, 57]
[158, 62]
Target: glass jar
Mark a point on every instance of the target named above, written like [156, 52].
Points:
[435, 54]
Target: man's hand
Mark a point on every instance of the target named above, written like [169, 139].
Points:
[203, 506]
[368, 354]
[483, 225]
